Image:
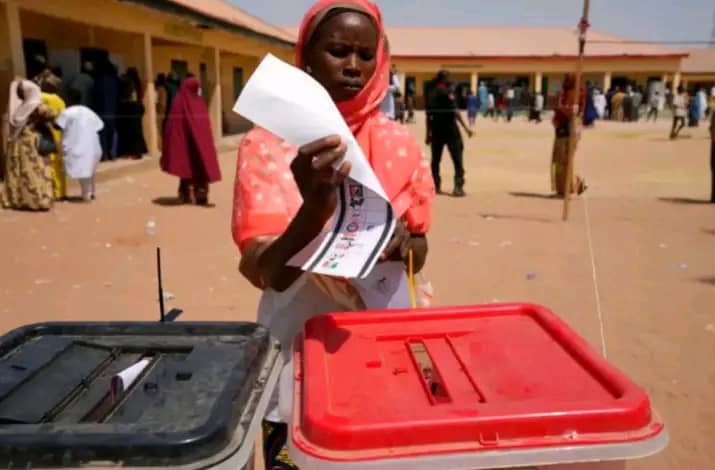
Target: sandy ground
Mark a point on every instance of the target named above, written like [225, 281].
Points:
[633, 270]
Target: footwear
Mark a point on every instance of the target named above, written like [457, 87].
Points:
[459, 192]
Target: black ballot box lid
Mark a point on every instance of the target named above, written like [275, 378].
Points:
[200, 387]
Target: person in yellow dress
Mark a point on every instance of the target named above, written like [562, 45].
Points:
[50, 85]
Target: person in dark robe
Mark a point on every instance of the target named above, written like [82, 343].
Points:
[106, 99]
[189, 151]
[130, 133]
[172, 88]
[590, 114]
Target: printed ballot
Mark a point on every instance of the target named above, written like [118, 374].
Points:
[292, 105]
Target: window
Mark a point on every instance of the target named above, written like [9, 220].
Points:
[237, 82]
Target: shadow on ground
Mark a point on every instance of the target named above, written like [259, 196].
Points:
[535, 195]
[683, 200]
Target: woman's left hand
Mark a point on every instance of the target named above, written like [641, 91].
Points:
[398, 247]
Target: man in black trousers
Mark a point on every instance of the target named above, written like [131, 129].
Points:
[442, 129]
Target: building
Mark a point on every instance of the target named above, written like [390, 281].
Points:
[699, 68]
[217, 42]
[532, 58]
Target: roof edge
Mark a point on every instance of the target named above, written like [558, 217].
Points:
[166, 6]
[541, 57]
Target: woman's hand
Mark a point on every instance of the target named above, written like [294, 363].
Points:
[315, 176]
[399, 246]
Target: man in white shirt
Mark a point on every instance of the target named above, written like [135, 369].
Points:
[680, 107]
[388, 104]
[509, 95]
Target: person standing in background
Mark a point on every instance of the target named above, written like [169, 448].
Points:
[702, 104]
[189, 151]
[388, 103]
[694, 111]
[590, 114]
[680, 106]
[442, 130]
[161, 98]
[130, 133]
[653, 106]
[509, 96]
[627, 105]
[472, 108]
[106, 100]
[483, 98]
[28, 178]
[491, 106]
[599, 102]
[84, 84]
[637, 101]
[80, 142]
[410, 101]
[617, 105]
[50, 85]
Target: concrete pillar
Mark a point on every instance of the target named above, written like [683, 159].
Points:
[664, 79]
[215, 106]
[403, 82]
[676, 83]
[474, 81]
[14, 29]
[151, 130]
[606, 81]
[538, 82]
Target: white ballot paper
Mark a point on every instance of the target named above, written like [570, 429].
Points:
[292, 105]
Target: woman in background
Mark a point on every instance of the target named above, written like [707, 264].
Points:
[472, 107]
[50, 85]
[28, 177]
[130, 133]
[189, 151]
[563, 114]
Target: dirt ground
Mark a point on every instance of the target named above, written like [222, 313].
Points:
[633, 270]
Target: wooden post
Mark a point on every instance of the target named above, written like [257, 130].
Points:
[575, 105]
[17, 58]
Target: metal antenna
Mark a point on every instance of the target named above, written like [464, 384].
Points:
[161, 288]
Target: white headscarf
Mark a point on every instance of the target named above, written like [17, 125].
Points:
[20, 110]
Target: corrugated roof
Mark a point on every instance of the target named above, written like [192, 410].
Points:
[507, 41]
[701, 60]
[223, 11]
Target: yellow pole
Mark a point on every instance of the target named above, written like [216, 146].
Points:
[576, 100]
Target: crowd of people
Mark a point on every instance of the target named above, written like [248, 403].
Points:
[58, 129]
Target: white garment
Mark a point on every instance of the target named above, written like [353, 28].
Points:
[87, 185]
[490, 101]
[703, 103]
[285, 313]
[599, 102]
[80, 141]
[510, 94]
[712, 91]
[539, 104]
[388, 103]
[679, 105]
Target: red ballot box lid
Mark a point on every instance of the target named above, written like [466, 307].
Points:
[376, 385]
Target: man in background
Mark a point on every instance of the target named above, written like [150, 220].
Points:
[442, 130]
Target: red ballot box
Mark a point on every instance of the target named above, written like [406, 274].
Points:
[494, 386]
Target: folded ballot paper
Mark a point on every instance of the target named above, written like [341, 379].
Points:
[292, 105]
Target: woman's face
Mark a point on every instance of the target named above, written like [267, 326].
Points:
[343, 54]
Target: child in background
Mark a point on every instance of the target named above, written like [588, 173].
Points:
[80, 142]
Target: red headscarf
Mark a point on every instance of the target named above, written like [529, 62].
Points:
[263, 169]
[189, 151]
[357, 110]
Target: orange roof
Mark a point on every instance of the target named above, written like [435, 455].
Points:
[505, 42]
[223, 12]
[495, 42]
[701, 60]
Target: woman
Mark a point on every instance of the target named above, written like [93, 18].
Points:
[106, 105]
[694, 111]
[50, 85]
[472, 107]
[161, 104]
[563, 114]
[189, 151]
[590, 114]
[130, 133]
[284, 195]
[28, 177]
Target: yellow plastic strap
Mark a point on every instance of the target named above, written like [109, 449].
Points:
[411, 279]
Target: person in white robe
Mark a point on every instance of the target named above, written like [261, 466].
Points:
[80, 142]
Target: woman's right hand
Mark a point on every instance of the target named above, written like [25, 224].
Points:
[315, 176]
